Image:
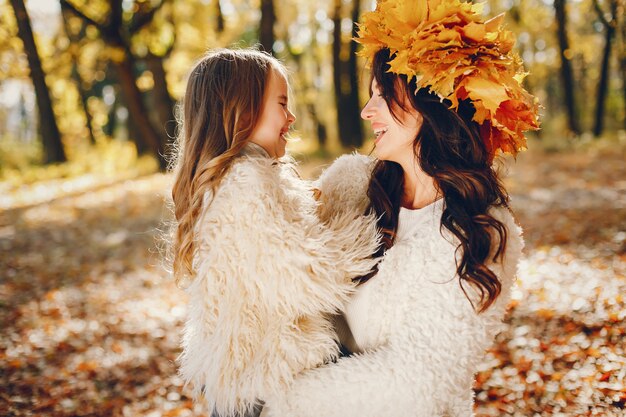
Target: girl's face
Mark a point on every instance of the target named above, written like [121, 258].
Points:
[275, 119]
[394, 138]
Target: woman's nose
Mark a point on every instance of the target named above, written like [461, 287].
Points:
[291, 117]
[368, 111]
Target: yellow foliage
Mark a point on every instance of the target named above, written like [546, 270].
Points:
[19, 162]
[448, 48]
[145, 82]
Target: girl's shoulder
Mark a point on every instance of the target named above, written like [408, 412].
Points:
[258, 179]
[251, 173]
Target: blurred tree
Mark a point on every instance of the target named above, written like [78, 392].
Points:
[266, 27]
[345, 79]
[75, 40]
[50, 135]
[300, 28]
[219, 17]
[13, 62]
[609, 22]
[567, 75]
[622, 58]
[161, 98]
[154, 45]
[117, 33]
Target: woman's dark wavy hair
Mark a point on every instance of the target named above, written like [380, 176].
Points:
[450, 150]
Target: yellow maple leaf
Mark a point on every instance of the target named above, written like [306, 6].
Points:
[490, 93]
[448, 47]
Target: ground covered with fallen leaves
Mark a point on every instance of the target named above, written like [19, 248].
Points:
[91, 323]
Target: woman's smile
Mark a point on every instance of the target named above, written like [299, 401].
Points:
[379, 131]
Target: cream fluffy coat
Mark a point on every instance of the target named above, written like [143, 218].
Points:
[267, 273]
[430, 338]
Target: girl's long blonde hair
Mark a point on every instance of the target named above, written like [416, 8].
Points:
[221, 107]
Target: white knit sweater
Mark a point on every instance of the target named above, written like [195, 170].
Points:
[268, 272]
[419, 341]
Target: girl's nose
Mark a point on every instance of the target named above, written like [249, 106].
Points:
[291, 118]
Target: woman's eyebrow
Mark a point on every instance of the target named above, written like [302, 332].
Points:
[283, 97]
[372, 88]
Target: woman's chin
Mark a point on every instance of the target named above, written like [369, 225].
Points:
[380, 153]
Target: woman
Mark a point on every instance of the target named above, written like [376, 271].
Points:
[421, 323]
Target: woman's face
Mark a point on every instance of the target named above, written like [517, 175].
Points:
[394, 138]
[275, 119]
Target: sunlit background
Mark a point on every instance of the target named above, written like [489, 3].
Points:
[90, 319]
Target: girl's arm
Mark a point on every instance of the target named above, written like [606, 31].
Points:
[256, 239]
[266, 273]
[426, 369]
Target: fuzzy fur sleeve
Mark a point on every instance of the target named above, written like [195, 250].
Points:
[267, 273]
[343, 185]
[427, 368]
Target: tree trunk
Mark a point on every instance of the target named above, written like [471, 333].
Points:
[354, 104]
[136, 108]
[567, 75]
[115, 34]
[163, 102]
[610, 26]
[266, 29]
[109, 128]
[50, 135]
[84, 100]
[84, 95]
[604, 82]
[346, 86]
[306, 86]
[220, 17]
[623, 65]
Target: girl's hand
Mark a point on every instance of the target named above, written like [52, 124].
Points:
[317, 194]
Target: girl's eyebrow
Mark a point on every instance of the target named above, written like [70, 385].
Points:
[283, 97]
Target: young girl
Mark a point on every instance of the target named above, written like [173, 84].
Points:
[445, 97]
[264, 271]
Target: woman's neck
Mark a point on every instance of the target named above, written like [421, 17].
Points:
[420, 189]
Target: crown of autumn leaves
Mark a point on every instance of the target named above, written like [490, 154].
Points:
[449, 49]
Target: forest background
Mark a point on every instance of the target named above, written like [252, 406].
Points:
[114, 71]
[88, 92]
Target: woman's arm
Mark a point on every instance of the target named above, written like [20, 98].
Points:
[385, 382]
[428, 375]
[343, 185]
[427, 369]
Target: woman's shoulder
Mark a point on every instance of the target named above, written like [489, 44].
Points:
[348, 169]
[514, 231]
[344, 183]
